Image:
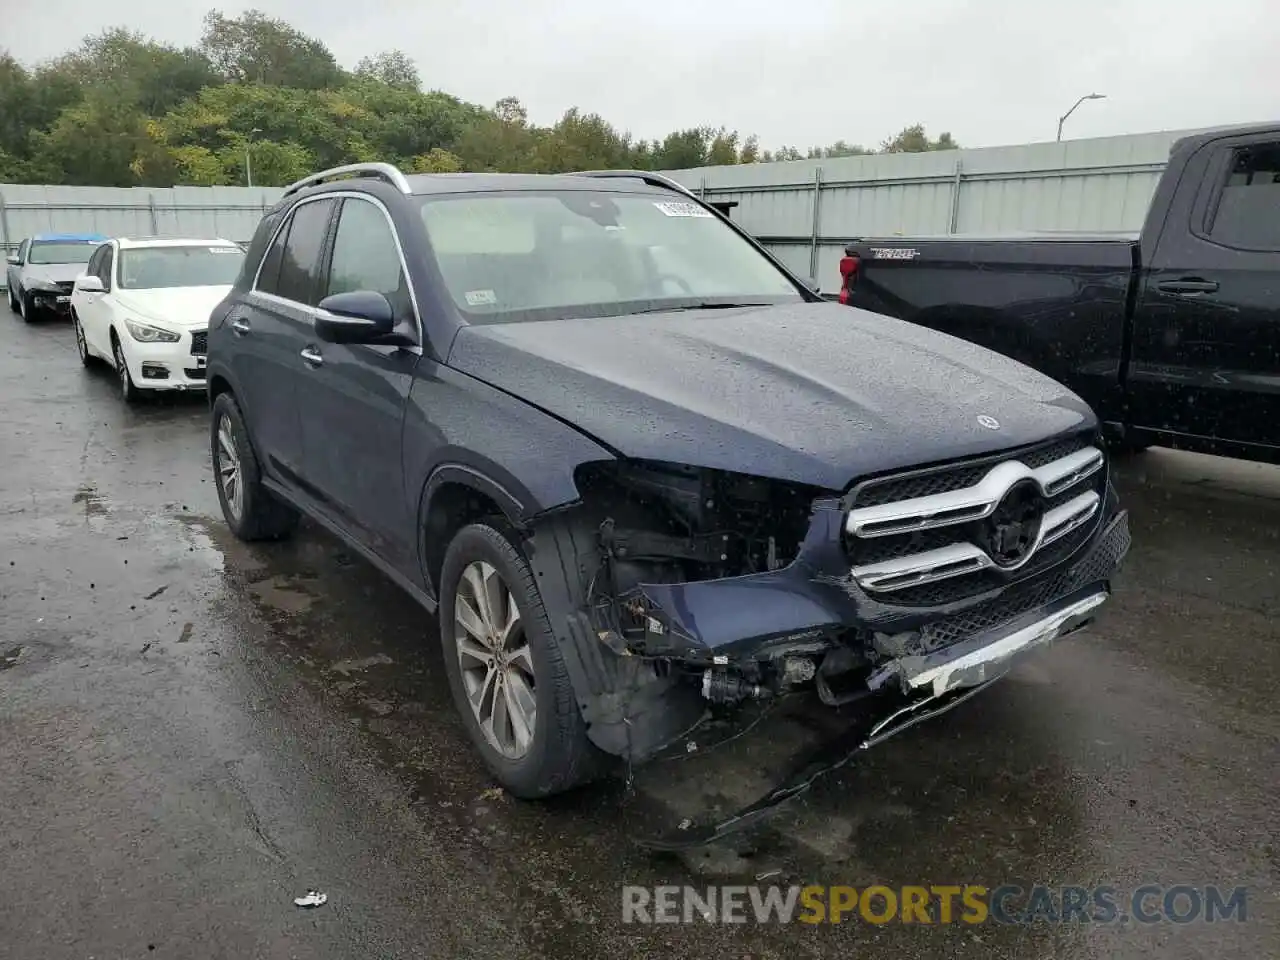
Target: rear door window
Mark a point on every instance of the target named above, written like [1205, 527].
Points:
[291, 268]
[1248, 210]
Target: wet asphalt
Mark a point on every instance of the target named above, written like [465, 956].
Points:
[193, 732]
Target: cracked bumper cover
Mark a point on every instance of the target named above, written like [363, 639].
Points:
[814, 600]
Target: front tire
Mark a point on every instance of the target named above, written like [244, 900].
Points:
[128, 391]
[82, 345]
[250, 510]
[26, 307]
[508, 678]
[13, 303]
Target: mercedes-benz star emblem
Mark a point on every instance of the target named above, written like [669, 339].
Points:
[1013, 528]
[991, 423]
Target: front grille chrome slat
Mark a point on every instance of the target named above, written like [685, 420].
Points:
[969, 506]
[921, 568]
[960, 558]
[972, 503]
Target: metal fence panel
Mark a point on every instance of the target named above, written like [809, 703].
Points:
[807, 210]
[231, 213]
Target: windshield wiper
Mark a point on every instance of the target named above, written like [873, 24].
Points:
[702, 306]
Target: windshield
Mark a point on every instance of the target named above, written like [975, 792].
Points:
[73, 251]
[150, 268]
[575, 253]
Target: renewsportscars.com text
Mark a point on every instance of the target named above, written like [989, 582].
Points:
[935, 904]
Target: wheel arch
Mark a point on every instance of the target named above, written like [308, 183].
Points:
[453, 496]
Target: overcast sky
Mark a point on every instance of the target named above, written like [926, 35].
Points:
[799, 73]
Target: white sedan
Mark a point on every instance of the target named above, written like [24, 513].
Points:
[143, 305]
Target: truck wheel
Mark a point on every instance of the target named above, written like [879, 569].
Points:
[250, 510]
[505, 670]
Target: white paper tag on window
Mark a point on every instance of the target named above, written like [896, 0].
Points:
[679, 209]
[481, 298]
[224, 250]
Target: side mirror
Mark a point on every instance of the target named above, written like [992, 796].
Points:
[361, 316]
[14, 259]
[89, 283]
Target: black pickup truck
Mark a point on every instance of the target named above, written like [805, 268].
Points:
[1172, 335]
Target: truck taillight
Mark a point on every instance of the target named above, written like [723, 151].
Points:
[848, 276]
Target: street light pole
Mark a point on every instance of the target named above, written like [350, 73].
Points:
[1088, 96]
[248, 160]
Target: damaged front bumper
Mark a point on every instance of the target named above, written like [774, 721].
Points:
[812, 604]
[647, 663]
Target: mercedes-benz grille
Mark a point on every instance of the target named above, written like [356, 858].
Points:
[948, 533]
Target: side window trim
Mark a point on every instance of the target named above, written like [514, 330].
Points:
[108, 268]
[395, 236]
[1217, 174]
[327, 252]
[285, 222]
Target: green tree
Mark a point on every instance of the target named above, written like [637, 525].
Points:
[580, 142]
[393, 67]
[723, 150]
[838, 149]
[94, 142]
[266, 50]
[153, 77]
[913, 139]
[436, 161]
[683, 149]
[750, 152]
[500, 141]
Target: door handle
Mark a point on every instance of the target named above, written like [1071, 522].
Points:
[312, 358]
[240, 326]
[1190, 286]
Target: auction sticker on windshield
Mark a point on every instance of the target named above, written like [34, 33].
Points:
[676, 209]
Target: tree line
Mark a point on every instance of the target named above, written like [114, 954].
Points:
[123, 110]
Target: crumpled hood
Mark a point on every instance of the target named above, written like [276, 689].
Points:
[50, 272]
[186, 307]
[815, 393]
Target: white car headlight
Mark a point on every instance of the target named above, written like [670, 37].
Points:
[145, 333]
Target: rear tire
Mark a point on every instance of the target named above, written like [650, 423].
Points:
[249, 508]
[488, 571]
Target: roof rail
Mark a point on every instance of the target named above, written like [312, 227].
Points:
[648, 176]
[381, 171]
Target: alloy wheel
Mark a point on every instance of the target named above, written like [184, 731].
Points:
[495, 660]
[230, 476]
[81, 346]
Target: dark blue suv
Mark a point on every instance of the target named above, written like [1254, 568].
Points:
[643, 472]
